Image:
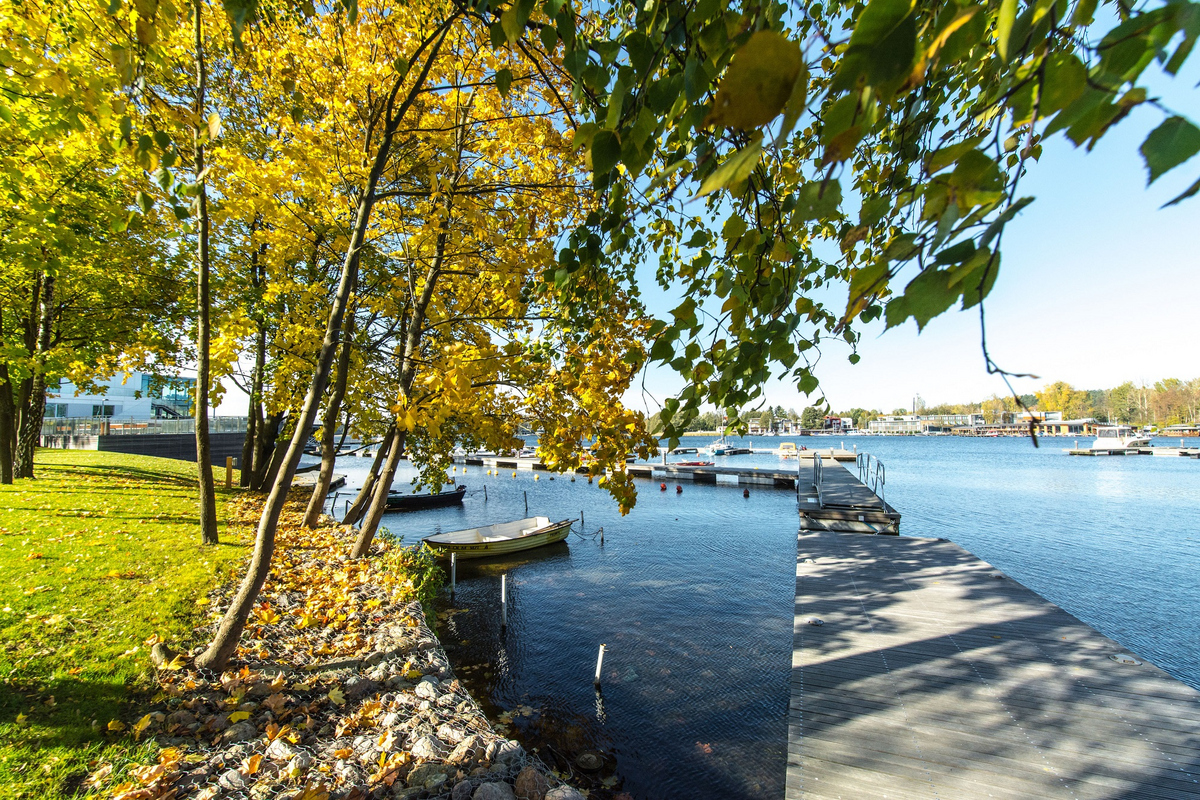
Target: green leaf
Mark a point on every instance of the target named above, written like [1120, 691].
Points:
[145, 202]
[928, 295]
[758, 83]
[882, 46]
[818, 200]
[241, 13]
[503, 81]
[5, 114]
[606, 151]
[1066, 78]
[549, 37]
[735, 169]
[1169, 145]
[1004, 27]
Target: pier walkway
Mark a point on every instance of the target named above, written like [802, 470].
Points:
[934, 676]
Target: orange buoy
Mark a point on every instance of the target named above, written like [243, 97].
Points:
[745, 492]
[662, 487]
[678, 489]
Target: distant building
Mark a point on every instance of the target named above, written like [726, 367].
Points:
[139, 396]
[913, 424]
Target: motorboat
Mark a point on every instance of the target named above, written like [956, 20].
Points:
[1119, 437]
[788, 450]
[691, 464]
[501, 538]
[398, 501]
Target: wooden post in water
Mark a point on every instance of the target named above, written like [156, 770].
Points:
[485, 493]
[599, 664]
[526, 501]
[228, 472]
[581, 520]
[453, 573]
[504, 601]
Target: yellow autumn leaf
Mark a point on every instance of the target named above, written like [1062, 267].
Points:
[336, 697]
[21, 718]
[116, 725]
[250, 765]
[238, 716]
[140, 726]
[175, 664]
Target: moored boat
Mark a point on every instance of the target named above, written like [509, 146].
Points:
[413, 502]
[501, 538]
[690, 464]
[1118, 437]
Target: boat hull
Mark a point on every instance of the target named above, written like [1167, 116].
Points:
[416, 502]
[549, 534]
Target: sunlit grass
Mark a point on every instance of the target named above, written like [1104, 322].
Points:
[98, 553]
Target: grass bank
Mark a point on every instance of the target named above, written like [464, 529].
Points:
[97, 554]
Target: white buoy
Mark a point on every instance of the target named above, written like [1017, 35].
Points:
[504, 601]
[599, 664]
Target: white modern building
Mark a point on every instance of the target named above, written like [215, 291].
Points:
[135, 395]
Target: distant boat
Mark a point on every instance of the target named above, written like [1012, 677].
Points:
[501, 538]
[397, 501]
[691, 464]
[720, 448]
[1118, 437]
[787, 450]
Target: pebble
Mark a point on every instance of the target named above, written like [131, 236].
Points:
[231, 780]
[462, 791]
[531, 785]
[425, 747]
[495, 791]
[564, 793]
[280, 750]
[427, 688]
[422, 773]
[239, 732]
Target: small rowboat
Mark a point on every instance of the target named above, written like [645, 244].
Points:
[691, 464]
[413, 502]
[501, 538]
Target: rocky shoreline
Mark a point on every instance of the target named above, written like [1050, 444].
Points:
[342, 692]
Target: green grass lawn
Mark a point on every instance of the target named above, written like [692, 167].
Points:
[98, 553]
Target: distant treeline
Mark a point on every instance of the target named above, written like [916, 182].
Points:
[1170, 401]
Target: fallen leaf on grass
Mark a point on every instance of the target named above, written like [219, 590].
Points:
[116, 725]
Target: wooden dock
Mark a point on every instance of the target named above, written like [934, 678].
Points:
[831, 498]
[1178, 452]
[932, 675]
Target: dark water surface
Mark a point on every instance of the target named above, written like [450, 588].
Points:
[692, 594]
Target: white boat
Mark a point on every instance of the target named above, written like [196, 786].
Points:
[501, 538]
[1119, 437]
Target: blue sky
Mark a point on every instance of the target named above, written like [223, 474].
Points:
[1098, 286]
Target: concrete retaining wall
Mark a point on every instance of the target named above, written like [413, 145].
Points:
[166, 445]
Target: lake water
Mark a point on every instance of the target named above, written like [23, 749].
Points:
[692, 594]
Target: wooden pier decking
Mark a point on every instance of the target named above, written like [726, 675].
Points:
[842, 502]
[933, 676]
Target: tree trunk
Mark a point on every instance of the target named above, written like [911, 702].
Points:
[208, 495]
[366, 534]
[225, 641]
[355, 512]
[6, 426]
[31, 419]
[264, 449]
[316, 503]
[254, 421]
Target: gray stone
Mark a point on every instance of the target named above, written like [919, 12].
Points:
[427, 688]
[407, 794]
[358, 688]
[436, 781]
[506, 750]
[425, 747]
[450, 734]
[530, 784]
[469, 750]
[564, 793]
[299, 763]
[231, 780]
[280, 750]
[462, 791]
[423, 773]
[239, 732]
[494, 791]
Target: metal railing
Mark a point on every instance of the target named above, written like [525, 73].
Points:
[871, 473]
[130, 426]
[818, 477]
